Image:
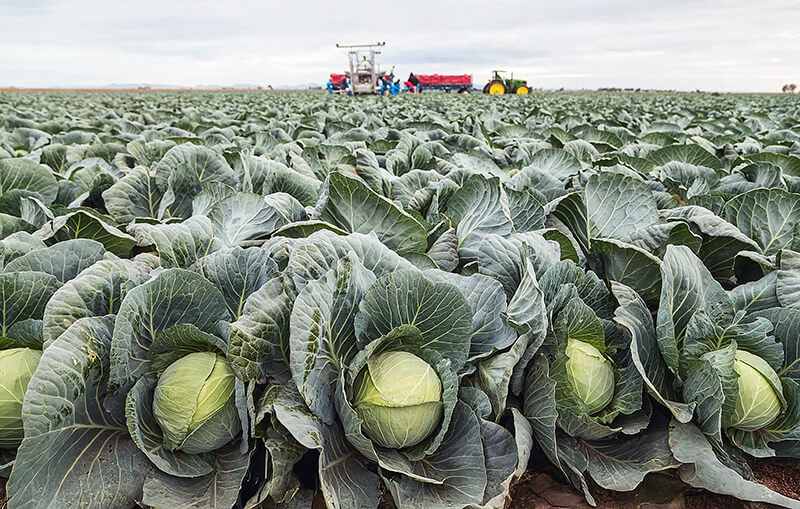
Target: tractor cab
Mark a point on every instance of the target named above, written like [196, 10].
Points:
[498, 85]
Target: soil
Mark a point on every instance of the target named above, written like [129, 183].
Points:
[543, 488]
[782, 476]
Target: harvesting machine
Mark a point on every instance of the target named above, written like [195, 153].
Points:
[363, 72]
[498, 85]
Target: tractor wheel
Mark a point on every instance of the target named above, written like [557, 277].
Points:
[496, 87]
[521, 89]
[486, 88]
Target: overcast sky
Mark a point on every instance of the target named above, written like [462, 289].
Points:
[738, 45]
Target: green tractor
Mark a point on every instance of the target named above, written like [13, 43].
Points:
[499, 85]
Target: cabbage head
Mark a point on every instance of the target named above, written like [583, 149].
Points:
[16, 368]
[399, 398]
[759, 399]
[590, 374]
[194, 403]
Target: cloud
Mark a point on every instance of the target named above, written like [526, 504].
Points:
[683, 44]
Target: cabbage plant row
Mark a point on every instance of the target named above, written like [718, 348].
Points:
[267, 300]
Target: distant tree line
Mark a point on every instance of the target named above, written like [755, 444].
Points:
[789, 88]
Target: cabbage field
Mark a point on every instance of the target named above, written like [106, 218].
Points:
[279, 300]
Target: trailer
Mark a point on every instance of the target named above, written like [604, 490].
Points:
[461, 83]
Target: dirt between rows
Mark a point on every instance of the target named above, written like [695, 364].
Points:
[544, 489]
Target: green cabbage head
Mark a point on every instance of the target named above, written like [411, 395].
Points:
[760, 397]
[399, 398]
[194, 403]
[16, 368]
[590, 374]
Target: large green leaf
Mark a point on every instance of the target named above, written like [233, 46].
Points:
[216, 490]
[620, 464]
[462, 451]
[311, 258]
[527, 213]
[349, 204]
[406, 297]
[75, 452]
[502, 457]
[692, 154]
[786, 323]
[346, 480]
[259, 340]
[505, 258]
[476, 210]
[96, 291]
[23, 296]
[768, 216]
[687, 287]
[181, 174]
[174, 296]
[634, 315]
[237, 273]
[631, 266]
[721, 241]
[322, 338]
[134, 195]
[618, 205]
[532, 177]
[444, 251]
[28, 175]
[490, 328]
[82, 224]
[244, 217]
[555, 162]
[539, 407]
[787, 279]
[789, 165]
[702, 469]
[64, 260]
[150, 152]
[615, 206]
[265, 177]
[178, 244]
[11, 224]
[494, 374]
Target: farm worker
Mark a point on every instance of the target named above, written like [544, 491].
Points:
[395, 87]
[347, 86]
[391, 73]
[414, 82]
[329, 86]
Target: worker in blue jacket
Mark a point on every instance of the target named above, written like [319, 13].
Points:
[329, 86]
[395, 88]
